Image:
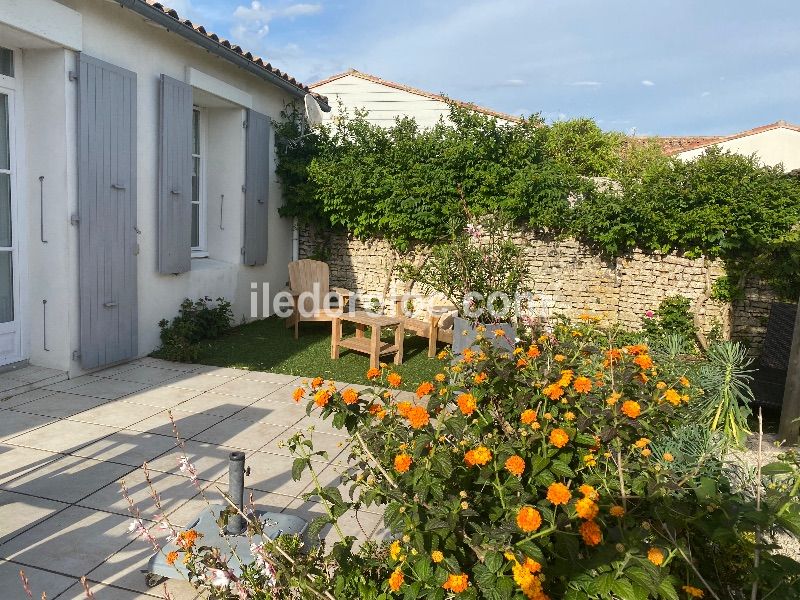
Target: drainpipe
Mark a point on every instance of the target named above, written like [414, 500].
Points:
[295, 240]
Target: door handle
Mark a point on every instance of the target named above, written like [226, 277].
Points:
[175, 192]
[110, 304]
[117, 186]
[260, 201]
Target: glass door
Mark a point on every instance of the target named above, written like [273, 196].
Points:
[9, 326]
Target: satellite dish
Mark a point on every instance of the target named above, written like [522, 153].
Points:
[313, 111]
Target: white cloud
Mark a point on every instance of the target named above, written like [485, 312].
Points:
[514, 82]
[647, 83]
[705, 94]
[585, 83]
[252, 22]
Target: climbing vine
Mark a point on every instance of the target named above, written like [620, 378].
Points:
[409, 185]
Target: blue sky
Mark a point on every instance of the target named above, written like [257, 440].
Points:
[646, 66]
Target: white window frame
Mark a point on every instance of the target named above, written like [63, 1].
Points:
[201, 250]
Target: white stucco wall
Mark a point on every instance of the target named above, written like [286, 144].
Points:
[123, 38]
[384, 103]
[779, 145]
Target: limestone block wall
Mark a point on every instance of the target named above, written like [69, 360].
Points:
[567, 277]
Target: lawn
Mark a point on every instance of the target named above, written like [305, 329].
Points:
[266, 345]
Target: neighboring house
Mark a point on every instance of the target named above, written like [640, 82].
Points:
[386, 100]
[773, 144]
[136, 170]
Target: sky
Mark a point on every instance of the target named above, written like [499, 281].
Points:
[649, 67]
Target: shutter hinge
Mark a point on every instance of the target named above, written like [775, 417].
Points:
[76, 355]
[73, 76]
[74, 220]
[242, 250]
[136, 249]
[244, 189]
[244, 124]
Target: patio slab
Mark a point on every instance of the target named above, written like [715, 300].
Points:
[64, 448]
[38, 580]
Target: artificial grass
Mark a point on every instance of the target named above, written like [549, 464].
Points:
[267, 345]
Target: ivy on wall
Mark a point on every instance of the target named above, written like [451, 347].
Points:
[410, 185]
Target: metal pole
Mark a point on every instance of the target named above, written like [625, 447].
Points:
[236, 492]
[790, 412]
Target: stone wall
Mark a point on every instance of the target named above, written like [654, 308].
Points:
[567, 277]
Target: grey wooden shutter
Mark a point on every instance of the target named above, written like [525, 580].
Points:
[175, 177]
[107, 242]
[256, 195]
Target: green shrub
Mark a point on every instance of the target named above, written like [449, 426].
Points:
[196, 321]
[673, 317]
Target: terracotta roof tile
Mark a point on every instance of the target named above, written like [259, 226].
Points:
[676, 145]
[417, 91]
[233, 48]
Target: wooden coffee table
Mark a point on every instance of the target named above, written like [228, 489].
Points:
[368, 345]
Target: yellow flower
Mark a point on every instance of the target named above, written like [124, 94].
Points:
[646, 452]
[590, 460]
[395, 550]
[480, 378]
[641, 442]
[672, 397]
[613, 398]
[437, 556]
[498, 333]
[684, 382]
[559, 358]
[440, 377]
[661, 385]
[655, 556]
[668, 457]
[569, 416]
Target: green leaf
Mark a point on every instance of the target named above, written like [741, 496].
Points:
[560, 469]
[666, 589]
[601, 586]
[624, 589]
[493, 561]
[777, 468]
[298, 466]
[316, 526]
[422, 569]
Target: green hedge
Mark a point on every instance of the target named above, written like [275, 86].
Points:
[410, 185]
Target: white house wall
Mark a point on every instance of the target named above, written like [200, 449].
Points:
[383, 102]
[779, 145]
[123, 38]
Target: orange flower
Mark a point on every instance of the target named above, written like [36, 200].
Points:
[499, 333]
[377, 411]
[373, 373]
[582, 385]
[418, 417]
[529, 519]
[613, 398]
[528, 416]
[612, 357]
[317, 382]
[641, 442]
[693, 591]
[350, 396]
[440, 377]
[668, 457]
[172, 557]
[616, 511]
[566, 377]
[394, 380]
[644, 362]
[425, 388]
[186, 539]
[558, 493]
[396, 579]
[672, 397]
[480, 378]
[298, 394]
[559, 438]
[655, 556]
[553, 391]
[589, 492]
[468, 355]
[586, 508]
[402, 463]
[403, 408]
[321, 397]
[631, 409]
[522, 363]
[456, 583]
[478, 456]
[684, 382]
[637, 349]
[467, 404]
[533, 351]
[646, 452]
[515, 465]
[590, 532]
[559, 358]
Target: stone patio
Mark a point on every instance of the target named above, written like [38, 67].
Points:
[66, 445]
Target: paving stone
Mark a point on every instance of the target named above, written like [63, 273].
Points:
[39, 581]
[18, 512]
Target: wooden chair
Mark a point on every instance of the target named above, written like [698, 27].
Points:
[428, 327]
[303, 275]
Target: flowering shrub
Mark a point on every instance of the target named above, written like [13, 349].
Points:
[564, 469]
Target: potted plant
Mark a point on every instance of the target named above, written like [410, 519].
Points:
[481, 271]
